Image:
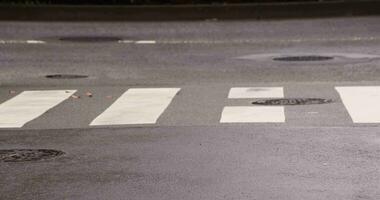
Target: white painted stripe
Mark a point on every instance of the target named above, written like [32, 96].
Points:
[22, 42]
[252, 114]
[146, 42]
[35, 42]
[126, 41]
[137, 106]
[362, 103]
[256, 92]
[29, 105]
[138, 41]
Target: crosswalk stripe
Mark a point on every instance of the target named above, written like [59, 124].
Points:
[254, 114]
[137, 106]
[256, 92]
[29, 105]
[361, 102]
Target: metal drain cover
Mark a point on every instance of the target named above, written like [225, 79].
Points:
[65, 76]
[22, 155]
[90, 39]
[292, 101]
[303, 58]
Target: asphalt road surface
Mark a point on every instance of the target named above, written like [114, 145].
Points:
[164, 110]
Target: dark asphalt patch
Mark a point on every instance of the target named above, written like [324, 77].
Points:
[292, 101]
[90, 39]
[23, 155]
[65, 76]
[303, 58]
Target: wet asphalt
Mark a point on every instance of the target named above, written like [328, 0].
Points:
[318, 153]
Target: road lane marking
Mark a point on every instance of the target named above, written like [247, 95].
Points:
[361, 102]
[29, 105]
[256, 92]
[22, 42]
[146, 42]
[126, 41]
[208, 41]
[252, 114]
[138, 41]
[137, 106]
[35, 42]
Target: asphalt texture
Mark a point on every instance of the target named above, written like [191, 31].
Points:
[318, 153]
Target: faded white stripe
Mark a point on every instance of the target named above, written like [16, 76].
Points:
[362, 103]
[137, 106]
[256, 92]
[126, 41]
[29, 105]
[138, 41]
[22, 42]
[146, 42]
[35, 42]
[252, 114]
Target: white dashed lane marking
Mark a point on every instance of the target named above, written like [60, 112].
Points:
[362, 103]
[146, 42]
[29, 105]
[137, 106]
[138, 41]
[22, 42]
[254, 114]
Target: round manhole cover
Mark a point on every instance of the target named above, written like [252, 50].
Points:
[21, 155]
[303, 58]
[292, 101]
[90, 39]
[65, 76]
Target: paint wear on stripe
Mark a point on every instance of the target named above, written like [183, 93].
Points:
[256, 92]
[254, 114]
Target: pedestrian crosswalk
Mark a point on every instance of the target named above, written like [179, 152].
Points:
[146, 106]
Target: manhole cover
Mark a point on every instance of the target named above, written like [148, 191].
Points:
[303, 58]
[21, 155]
[65, 76]
[293, 101]
[90, 39]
